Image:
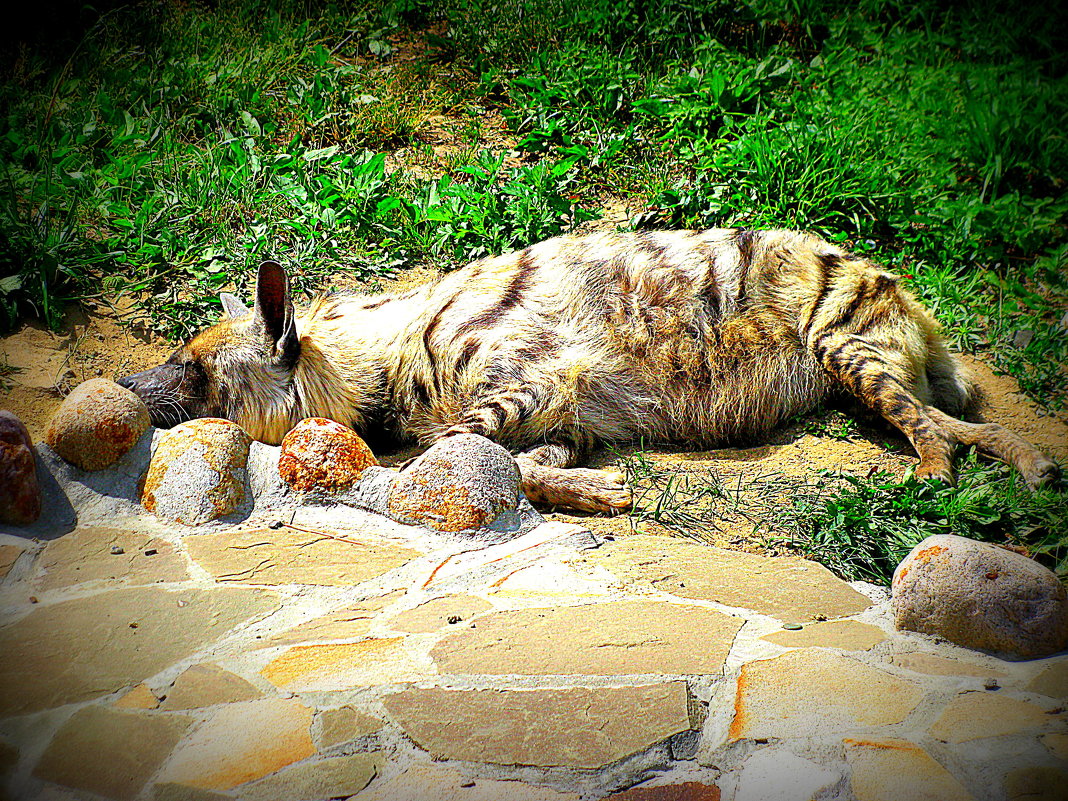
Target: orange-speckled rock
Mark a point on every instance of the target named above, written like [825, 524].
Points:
[20, 494]
[197, 472]
[982, 597]
[97, 424]
[461, 483]
[322, 454]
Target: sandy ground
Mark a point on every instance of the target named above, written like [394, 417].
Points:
[38, 367]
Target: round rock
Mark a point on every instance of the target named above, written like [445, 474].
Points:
[97, 424]
[20, 494]
[322, 454]
[197, 471]
[982, 597]
[461, 483]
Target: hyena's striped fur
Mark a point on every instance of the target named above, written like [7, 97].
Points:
[694, 336]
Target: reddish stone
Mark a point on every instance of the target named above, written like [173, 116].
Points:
[20, 494]
[687, 791]
[321, 454]
[97, 424]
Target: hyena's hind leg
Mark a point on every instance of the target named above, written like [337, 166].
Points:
[901, 386]
[548, 472]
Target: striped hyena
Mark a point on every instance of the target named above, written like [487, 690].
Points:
[691, 336]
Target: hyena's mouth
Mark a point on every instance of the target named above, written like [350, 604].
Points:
[165, 391]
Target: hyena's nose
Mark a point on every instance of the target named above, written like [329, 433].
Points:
[126, 381]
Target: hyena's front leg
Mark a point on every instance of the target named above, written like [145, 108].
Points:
[548, 474]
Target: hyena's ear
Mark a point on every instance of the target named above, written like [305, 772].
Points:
[274, 312]
[232, 305]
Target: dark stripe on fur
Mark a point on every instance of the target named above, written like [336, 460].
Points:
[513, 293]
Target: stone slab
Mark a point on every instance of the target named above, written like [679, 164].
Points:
[893, 770]
[9, 554]
[777, 774]
[845, 635]
[242, 742]
[438, 613]
[975, 715]
[86, 554]
[206, 685]
[792, 589]
[305, 668]
[686, 791]
[620, 637]
[577, 727]
[1036, 783]
[140, 697]
[1052, 680]
[1057, 745]
[81, 649]
[345, 724]
[288, 556]
[812, 691]
[423, 782]
[108, 752]
[172, 791]
[934, 665]
[351, 623]
[336, 777]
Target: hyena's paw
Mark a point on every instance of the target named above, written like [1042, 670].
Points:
[937, 470]
[598, 491]
[1040, 472]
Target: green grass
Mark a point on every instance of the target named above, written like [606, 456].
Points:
[161, 150]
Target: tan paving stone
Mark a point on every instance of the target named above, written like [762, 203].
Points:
[172, 791]
[433, 783]
[1057, 745]
[598, 639]
[345, 724]
[351, 623]
[9, 554]
[207, 685]
[687, 791]
[1037, 783]
[86, 555]
[895, 770]
[934, 665]
[812, 691]
[140, 697]
[288, 556]
[82, 649]
[306, 668]
[439, 613]
[792, 589]
[242, 742]
[9, 757]
[974, 715]
[578, 727]
[336, 777]
[1052, 680]
[846, 635]
[109, 752]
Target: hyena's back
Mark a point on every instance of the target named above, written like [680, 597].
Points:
[699, 336]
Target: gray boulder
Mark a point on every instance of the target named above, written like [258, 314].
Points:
[198, 472]
[982, 597]
[97, 424]
[461, 483]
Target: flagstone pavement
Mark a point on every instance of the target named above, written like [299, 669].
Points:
[373, 661]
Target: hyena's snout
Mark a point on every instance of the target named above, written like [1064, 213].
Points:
[170, 391]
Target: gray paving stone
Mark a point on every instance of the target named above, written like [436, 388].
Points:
[240, 743]
[811, 691]
[777, 774]
[109, 752]
[1052, 680]
[792, 589]
[974, 715]
[288, 556]
[335, 777]
[889, 769]
[81, 649]
[597, 639]
[89, 554]
[579, 727]
[1037, 783]
[345, 724]
[206, 685]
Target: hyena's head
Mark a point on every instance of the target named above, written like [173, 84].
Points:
[240, 369]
